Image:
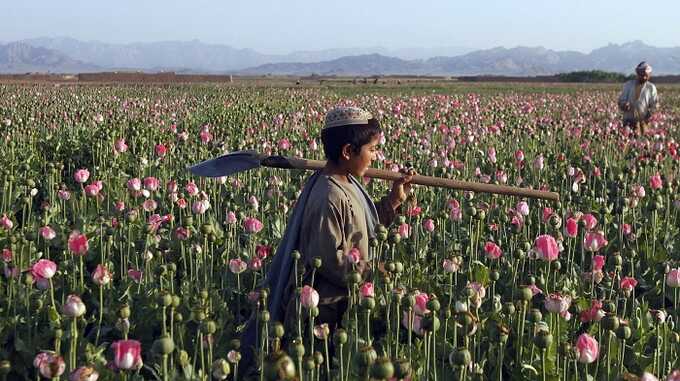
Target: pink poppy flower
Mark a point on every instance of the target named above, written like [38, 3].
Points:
[255, 264]
[571, 227]
[92, 190]
[47, 233]
[81, 175]
[200, 206]
[321, 331]
[404, 230]
[546, 247]
[598, 262]
[263, 251]
[522, 208]
[452, 265]
[366, 290]
[7, 255]
[589, 221]
[557, 303]
[628, 283]
[237, 265]
[428, 225]
[161, 150]
[655, 181]
[84, 373]
[49, 365]
[414, 211]
[134, 184]
[205, 135]
[127, 354]
[354, 256]
[74, 307]
[252, 225]
[149, 205]
[151, 183]
[171, 186]
[595, 313]
[492, 250]
[44, 268]
[587, 349]
[416, 323]
[101, 275]
[673, 278]
[77, 243]
[191, 188]
[64, 194]
[594, 241]
[120, 146]
[284, 144]
[309, 297]
[182, 233]
[135, 275]
[6, 223]
[420, 308]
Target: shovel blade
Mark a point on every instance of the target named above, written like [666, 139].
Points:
[228, 164]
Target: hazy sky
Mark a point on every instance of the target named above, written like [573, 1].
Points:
[283, 26]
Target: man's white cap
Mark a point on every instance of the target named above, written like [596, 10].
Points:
[345, 116]
[643, 67]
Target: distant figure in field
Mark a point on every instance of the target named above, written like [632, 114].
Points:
[638, 100]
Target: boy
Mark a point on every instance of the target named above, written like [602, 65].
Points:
[339, 215]
[333, 215]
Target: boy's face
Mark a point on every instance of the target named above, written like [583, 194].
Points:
[358, 163]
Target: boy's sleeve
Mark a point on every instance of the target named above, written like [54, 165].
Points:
[326, 241]
[385, 212]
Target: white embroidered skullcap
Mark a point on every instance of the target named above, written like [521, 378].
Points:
[344, 116]
[644, 67]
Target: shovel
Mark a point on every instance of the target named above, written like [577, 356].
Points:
[240, 161]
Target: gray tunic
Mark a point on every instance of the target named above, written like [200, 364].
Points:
[333, 223]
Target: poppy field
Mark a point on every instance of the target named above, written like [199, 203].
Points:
[117, 263]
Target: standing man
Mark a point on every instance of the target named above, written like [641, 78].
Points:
[638, 100]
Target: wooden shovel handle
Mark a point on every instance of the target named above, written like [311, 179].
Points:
[291, 162]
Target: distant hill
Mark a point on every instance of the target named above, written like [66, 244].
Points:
[196, 56]
[353, 65]
[70, 55]
[519, 61]
[18, 57]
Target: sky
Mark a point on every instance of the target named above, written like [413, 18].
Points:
[284, 26]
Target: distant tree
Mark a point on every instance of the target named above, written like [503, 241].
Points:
[593, 76]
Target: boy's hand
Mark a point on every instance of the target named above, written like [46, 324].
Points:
[401, 188]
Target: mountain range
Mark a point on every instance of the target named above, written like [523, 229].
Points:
[67, 55]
